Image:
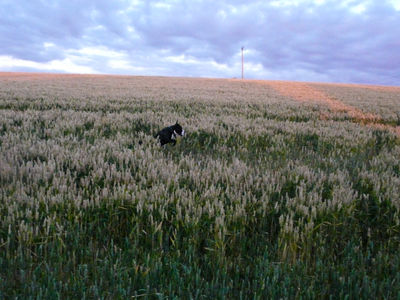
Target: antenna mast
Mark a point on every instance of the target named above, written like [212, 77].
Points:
[242, 64]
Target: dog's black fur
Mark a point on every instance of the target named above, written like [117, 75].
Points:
[168, 134]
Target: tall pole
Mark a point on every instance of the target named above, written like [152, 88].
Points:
[242, 64]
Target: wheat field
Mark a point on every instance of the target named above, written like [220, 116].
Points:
[278, 190]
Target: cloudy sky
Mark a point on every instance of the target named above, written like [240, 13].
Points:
[305, 40]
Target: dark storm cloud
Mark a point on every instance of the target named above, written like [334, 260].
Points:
[26, 26]
[352, 40]
[204, 29]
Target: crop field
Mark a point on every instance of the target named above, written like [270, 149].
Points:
[278, 190]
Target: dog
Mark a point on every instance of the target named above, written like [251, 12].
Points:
[168, 134]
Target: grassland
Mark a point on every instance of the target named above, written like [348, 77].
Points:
[270, 194]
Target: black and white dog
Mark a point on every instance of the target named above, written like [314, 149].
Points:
[168, 134]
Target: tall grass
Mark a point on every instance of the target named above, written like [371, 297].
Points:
[262, 198]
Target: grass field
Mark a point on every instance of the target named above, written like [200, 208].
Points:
[279, 190]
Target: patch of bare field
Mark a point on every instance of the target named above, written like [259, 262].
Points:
[383, 101]
[304, 92]
[336, 98]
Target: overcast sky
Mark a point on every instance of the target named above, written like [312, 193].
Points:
[354, 41]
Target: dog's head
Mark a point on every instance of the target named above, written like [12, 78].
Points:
[178, 129]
